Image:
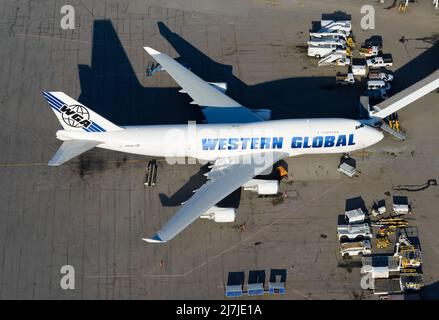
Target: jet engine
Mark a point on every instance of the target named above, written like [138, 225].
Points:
[221, 215]
[262, 187]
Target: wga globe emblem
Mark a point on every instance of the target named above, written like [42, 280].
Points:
[76, 110]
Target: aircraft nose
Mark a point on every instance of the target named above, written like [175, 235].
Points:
[379, 135]
[375, 135]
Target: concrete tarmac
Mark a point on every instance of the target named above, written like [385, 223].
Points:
[92, 212]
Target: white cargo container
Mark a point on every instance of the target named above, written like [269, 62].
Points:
[354, 216]
[401, 208]
[347, 169]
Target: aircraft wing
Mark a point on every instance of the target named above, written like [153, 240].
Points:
[217, 107]
[407, 96]
[226, 175]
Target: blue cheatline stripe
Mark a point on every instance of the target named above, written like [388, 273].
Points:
[94, 127]
[55, 98]
[56, 104]
[99, 127]
[55, 109]
[53, 105]
[50, 98]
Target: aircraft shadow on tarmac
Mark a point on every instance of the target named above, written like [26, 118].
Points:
[110, 86]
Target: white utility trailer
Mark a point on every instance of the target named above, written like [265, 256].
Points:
[357, 248]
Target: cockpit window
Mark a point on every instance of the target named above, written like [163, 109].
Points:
[359, 126]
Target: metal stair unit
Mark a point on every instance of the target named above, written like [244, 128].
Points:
[400, 135]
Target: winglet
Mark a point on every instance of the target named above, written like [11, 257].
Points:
[151, 51]
[155, 239]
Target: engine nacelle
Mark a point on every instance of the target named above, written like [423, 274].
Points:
[262, 187]
[265, 114]
[221, 215]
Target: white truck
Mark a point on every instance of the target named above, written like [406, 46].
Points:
[369, 51]
[380, 75]
[359, 67]
[358, 232]
[345, 78]
[384, 60]
[319, 51]
[355, 248]
[378, 85]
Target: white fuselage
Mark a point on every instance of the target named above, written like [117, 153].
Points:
[212, 141]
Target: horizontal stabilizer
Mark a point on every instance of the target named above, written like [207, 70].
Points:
[70, 149]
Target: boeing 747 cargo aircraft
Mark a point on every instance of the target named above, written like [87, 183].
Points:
[240, 143]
